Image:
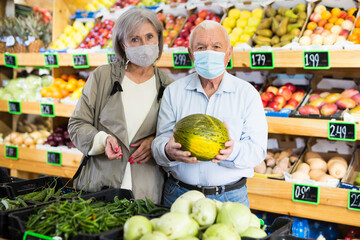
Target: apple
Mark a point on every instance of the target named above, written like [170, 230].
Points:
[167, 41]
[308, 109]
[198, 20]
[271, 95]
[170, 25]
[315, 17]
[300, 90]
[280, 99]
[297, 96]
[192, 18]
[186, 43]
[265, 97]
[179, 42]
[328, 109]
[170, 17]
[173, 34]
[292, 102]
[202, 14]
[284, 91]
[161, 17]
[216, 19]
[289, 106]
[188, 25]
[272, 89]
[179, 19]
[210, 14]
[274, 105]
[194, 26]
[184, 33]
[264, 102]
[290, 86]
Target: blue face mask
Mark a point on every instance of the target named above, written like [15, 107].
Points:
[209, 64]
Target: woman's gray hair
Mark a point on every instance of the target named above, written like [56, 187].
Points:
[208, 24]
[128, 23]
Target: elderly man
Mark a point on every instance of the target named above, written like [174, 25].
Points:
[212, 91]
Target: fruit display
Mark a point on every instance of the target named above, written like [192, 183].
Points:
[280, 26]
[125, 3]
[355, 34]
[99, 35]
[26, 139]
[202, 135]
[316, 168]
[60, 137]
[286, 96]
[242, 24]
[25, 34]
[328, 26]
[277, 162]
[172, 25]
[63, 86]
[194, 216]
[72, 35]
[95, 5]
[327, 103]
[148, 3]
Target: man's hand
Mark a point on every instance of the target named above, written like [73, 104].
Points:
[112, 149]
[174, 152]
[225, 153]
[143, 152]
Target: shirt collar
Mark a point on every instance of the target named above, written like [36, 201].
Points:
[226, 84]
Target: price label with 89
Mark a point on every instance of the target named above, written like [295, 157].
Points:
[341, 131]
[182, 60]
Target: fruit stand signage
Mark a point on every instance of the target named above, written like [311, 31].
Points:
[51, 60]
[10, 60]
[316, 59]
[14, 107]
[54, 158]
[342, 131]
[305, 193]
[47, 110]
[35, 236]
[81, 61]
[111, 58]
[354, 200]
[261, 60]
[11, 152]
[182, 60]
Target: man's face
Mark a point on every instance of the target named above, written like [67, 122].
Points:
[210, 39]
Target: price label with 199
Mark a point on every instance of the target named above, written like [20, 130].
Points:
[316, 59]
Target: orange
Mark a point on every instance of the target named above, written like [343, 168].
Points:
[332, 19]
[311, 26]
[356, 31]
[63, 85]
[45, 92]
[339, 21]
[80, 83]
[57, 81]
[72, 81]
[335, 11]
[322, 22]
[325, 15]
[351, 11]
[64, 76]
[328, 26]
[357, 22]
[64, 92]
[353, 38]
[70, 87]
[56, 94]
[72, 76]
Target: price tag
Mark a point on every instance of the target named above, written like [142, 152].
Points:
[316, 59]
[342, 131]
[10, 60]
[81, 61]
[354, 200]
[51, 60]
[230, 64]
[35, 236]
[54, 158]
[182, 60]
[305, 193]
[11, 152]
[261, 60]
[14, 107]
[47, 109]
[111, 58]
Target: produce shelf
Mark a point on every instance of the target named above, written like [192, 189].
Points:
[241, 59]
[61, 110]
[276, 196]
[34, 160]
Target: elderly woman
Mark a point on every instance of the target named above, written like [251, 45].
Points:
[114, 121]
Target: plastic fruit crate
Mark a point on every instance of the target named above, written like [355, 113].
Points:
[17, 219]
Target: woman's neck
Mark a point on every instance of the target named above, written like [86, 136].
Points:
[139, 74]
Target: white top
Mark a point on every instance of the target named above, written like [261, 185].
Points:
[137, 101]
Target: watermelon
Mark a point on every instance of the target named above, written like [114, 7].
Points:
[202, 135]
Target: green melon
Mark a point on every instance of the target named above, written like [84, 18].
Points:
[202, 135]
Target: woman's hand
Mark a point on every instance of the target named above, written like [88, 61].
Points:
[225, 153]
[174, 152]
[143, 152]
[112, 149]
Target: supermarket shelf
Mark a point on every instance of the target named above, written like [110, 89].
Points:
[34, 160]
[275, 196]
[282, 59]
[61, 110]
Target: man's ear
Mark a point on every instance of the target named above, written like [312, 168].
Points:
[191, 55]
[229, 53]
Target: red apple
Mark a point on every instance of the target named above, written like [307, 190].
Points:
[186, 43]
[292, 102]
[169, 17]
[290, 86]
[192, 27]
[179, 42]
[170, 24]
[184, 33]
[202, 14]
[280, 99]
[167, 40]
[271, 95]
[216, 18]
[161, 17]
[286, 92]
[264, 102]
[297, 96]
[274, 105]
[272, 89]
[188, 25]
[179, 19]
[192, 18]
[300, 90]
[198, 20]
[264, 96]
[289, 106]
[173, 34]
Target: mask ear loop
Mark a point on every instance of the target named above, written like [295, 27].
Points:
[127, 63]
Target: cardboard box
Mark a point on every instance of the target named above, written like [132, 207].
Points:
[301, 81]
[327, 149]
[277, 144]
[321, 84]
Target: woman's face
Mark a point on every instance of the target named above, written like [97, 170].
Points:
[144, 35]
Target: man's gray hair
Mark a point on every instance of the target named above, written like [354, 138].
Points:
[209, 24]
[128, 23]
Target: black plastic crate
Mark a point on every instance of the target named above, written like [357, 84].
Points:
[280, 227]
[114, 234]
[4, 219]
[290, 237]
[17, 219]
